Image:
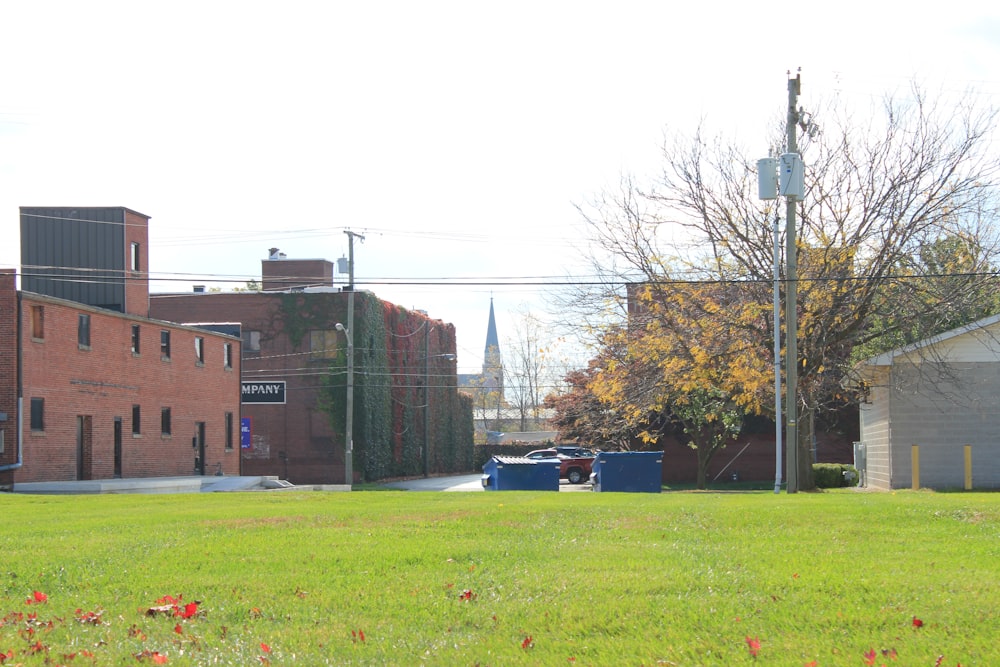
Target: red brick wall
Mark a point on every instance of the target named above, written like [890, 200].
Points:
[105, 381]
[755, 463]
[8, 371]
[285, 274]
[293, 441]
[137, 283]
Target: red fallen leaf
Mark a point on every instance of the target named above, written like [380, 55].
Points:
[178, 629]
[155, 656]
[467, 595]
[870, 656]
[37, 597]
[265, 648]
[812, 663]
[91, 617]
[528, 642]
[361, 635]
[917, 623]
[753, 645]
[358, 636]
[37, 647]
[190, 609]
[939, 661]
[889, 653]
[170, 600]
[9, 655]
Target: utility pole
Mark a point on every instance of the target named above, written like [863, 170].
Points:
[791, 301]
[349, 417]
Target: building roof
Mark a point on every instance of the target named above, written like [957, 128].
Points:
[886, 358]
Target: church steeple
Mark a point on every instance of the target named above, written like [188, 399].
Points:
[492, 361]
[492, 341]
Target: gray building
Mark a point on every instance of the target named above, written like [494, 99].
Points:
[928, 404]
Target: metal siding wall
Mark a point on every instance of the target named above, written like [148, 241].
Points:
[68, 239]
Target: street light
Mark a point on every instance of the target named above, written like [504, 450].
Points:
[349, 418]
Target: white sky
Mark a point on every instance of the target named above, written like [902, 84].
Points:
[456, 136]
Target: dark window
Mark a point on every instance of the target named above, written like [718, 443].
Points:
[165, 421]
[227, 355]
[251, 341]
[164, 344]
[83, 331]
[38, 322]
[38, 414]
[136, 428]
[229, 430]
[135, 256]
[135, 339]
[199, 349]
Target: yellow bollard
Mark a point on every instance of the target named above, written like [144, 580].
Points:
[915, 458]
[968, 467]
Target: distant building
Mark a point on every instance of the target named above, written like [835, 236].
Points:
[90, 386]
[487, 387]
[408, 417]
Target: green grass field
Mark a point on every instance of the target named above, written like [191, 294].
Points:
[509, 578]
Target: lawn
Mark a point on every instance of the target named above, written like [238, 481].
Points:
[508, 578]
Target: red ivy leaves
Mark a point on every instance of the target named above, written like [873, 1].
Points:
[917, 623]
[753, 645]
[528, 642]
[870, 656]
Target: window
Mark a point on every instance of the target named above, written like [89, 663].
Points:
[38, 414]
[164, 345]
[227, 355]
[83, 331]
[323, 344]
[165, 421]
[136, 428]
[134, 256]
[229, 430]
[199, 349]
[251, 341]
[135, 339]
[38, 322]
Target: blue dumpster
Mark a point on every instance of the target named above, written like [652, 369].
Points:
[516, 473]
[628, 471]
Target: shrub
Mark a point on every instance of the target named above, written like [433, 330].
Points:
[834, 475]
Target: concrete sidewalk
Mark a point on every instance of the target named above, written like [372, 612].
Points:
[188, 484]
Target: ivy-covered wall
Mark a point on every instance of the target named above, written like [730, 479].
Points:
[400, 366]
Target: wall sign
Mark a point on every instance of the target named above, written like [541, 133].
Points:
[264, 392]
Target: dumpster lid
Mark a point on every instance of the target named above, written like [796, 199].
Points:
[520, 460]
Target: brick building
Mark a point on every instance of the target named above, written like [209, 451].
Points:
[90, 386]
[408, 417]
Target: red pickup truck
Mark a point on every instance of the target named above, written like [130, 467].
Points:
[574, 462]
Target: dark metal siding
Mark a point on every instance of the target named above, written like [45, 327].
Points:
[75, 253]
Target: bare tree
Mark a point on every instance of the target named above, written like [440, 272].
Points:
[528, 370]
[879, 191]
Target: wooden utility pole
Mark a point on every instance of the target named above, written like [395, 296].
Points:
[791, 306]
